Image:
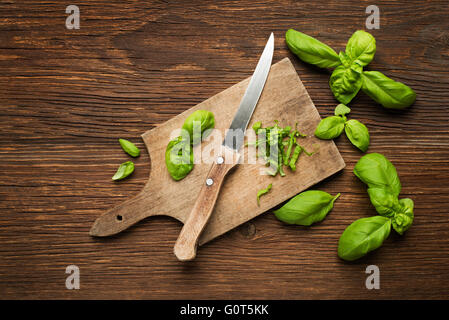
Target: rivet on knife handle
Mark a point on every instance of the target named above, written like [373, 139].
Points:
[185, 247]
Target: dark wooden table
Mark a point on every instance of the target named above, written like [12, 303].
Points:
[66, 96]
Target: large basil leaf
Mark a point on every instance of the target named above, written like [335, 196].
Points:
[385, 202]
[403, 219]
[345, 83]
[306, 208]
[179, 158]
[361, 47]
[386, 91]
[362, 236]
[378, 172]
[197, 123]
[330, 127]
[358, 134]
[311, 50]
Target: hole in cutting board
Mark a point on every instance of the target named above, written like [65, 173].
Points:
[119, 217]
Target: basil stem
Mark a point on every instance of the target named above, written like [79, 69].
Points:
[262, 192]
[291, 142]
[295, 156]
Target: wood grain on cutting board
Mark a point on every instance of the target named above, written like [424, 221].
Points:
[285, 99]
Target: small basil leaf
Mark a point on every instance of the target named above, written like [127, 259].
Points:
[306, 208]
[311, 50]
[345, 83]
[385, 202]
[129, 147]
[361, 47]
[257, 126]
[125, 169]
[341, 110]
[403, 219]
[362, 236]
[197, 123]
[179, 158]
[358, 134]
[389, 93]
[330, 127]
[378, 172]
[262, 192]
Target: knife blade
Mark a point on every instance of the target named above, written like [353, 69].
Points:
[187, 242]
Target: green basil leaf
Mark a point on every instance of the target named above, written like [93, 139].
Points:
[257, 126]
[129, 147]
[361, 47]
[377, 171]
[197, 123]
[262, 192]
[311, 50]
[306, 208]
[362, 236]
[330, 127]
[345, 83]
[403, 219]
[179, 158]
[356, 67]
[389, 93]
[385, 202]
[358, 134]
[344, 59]
[341, 110]
[125, 169]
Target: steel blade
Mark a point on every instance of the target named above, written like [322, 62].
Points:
[235, 135]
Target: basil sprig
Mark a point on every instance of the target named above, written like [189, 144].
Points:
[348, 77]
[306, 208]
[367, 234]
[332, 127]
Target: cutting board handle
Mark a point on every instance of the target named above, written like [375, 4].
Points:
[187, 242]
[125, 215]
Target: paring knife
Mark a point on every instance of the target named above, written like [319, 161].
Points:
[228, 156]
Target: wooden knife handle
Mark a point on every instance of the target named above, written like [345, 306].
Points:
[187, 242]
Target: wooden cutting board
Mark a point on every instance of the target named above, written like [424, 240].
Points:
[284, 98]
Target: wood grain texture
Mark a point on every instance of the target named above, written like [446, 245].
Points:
[284, 98]
[66, 96]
